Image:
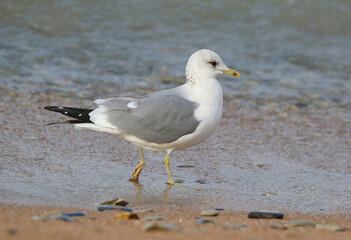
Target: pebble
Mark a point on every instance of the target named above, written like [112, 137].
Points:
[152, 218]
[36, 218]
[200, 181]
[268, 194]
[112, 208]
[12, 231]
[301, 223]
[266, 214]
[185, 166]
[67, 217]
[74, 214]
[204, 220]
[59, 217]
[278, 227]
[116, 202]
[144, 211]
[235, 227]
[334, 228]
[126, 216]
[262, 165]
[179, 181]
[152, 226]
[211, 213]
[219, 209]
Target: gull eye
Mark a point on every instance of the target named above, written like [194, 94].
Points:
[213, 63]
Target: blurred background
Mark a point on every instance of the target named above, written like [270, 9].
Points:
[291, 51]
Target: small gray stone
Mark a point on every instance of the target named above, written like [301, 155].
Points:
[59, 217]
[278, 227]
[268, 194]
[219, 209]
[144, 211]
[36, 218]
[235, 227]
[334, 228]
[116, 202]
[185, 166]
[266, 214]
[153, 226]
[302, 223]
[211, 213]
[179, 181]
[112, 208]
[204, 220]
[200, 181]
[152, 218]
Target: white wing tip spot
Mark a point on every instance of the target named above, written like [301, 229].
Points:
[132, 104]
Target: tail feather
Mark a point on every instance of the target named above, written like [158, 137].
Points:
[80, 115]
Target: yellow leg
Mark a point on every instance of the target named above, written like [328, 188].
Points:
[170, 179]
[138, 168]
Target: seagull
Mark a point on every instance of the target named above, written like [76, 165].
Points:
[164, 121]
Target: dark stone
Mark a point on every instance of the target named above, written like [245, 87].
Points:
[116, 202]
[112, 208]
[200, 181]
[185, 166]
[12, 231]
[179, 181]
[219, 209]
[74, 214]
[301, 105]
[203, 221]
[266, 215]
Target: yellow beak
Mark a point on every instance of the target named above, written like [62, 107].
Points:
[231, 72]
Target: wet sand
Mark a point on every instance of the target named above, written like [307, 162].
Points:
[16, 223]
[294, 159]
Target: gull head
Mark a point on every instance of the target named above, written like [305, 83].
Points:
[205, 64]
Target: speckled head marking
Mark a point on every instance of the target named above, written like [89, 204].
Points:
[202, 65]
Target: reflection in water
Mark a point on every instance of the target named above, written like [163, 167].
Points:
[143, 195]
[166, 193]
[138, 195]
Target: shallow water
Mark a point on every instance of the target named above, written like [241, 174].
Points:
[296, 51]
[286, 127]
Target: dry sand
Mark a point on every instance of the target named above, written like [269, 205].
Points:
[15, 223]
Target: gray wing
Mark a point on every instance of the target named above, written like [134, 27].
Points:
[158, 118]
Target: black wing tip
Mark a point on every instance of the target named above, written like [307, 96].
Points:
[52, 108]
[75, 121]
